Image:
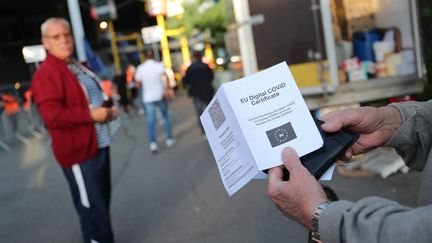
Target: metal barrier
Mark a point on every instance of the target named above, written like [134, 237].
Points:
[20, 126]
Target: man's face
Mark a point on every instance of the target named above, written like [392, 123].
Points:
[58, 41]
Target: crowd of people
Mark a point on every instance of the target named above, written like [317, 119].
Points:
[15, 106]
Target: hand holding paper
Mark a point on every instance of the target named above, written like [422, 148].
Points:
[250, 121]
[295, 198]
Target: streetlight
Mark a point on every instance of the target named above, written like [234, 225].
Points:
[103, 25]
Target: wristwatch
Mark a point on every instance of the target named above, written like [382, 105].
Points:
[315, 220]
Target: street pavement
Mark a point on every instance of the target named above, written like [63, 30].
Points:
[173, 196]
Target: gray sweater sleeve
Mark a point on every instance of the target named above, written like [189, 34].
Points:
[413, 140]
[374, 219]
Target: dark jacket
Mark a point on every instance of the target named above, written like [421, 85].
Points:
[198, 80]
[63, 106]
[120, 82]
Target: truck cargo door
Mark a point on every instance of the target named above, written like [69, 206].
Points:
[292, 32]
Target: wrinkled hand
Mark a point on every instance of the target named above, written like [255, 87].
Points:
[374, 125]
[298, 197]
[103, 114]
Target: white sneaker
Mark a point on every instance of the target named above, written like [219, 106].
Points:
[153, 147]
[170, 142]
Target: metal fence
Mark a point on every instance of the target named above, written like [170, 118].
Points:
[21, 127]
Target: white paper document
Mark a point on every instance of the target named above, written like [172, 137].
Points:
[249, 121]
[327, 176]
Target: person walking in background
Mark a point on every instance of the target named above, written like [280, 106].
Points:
[130, 72]
[27, 107]
[198, 81]
[122, 90]
[133, 91]
[170, 80]
[107, 87]
[10, 103]
[1, 106]
[404, 126]
[11, 109]
[69, 99]
[27, 100]
[150, 75]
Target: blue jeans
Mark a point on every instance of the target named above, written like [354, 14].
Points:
[150, 107]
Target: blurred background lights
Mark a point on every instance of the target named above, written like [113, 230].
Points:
[103, 25]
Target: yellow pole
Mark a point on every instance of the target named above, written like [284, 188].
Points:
[140, 48]
[184, 44]
[180, 33]
[208, 53]
[114, 48]
[185, 49]
[164, 41]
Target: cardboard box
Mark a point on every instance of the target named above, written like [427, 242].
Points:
[354, 9]
[354, 15]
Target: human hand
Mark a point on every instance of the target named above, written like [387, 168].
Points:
[374, 125]
[138, 84]
[169, 94]
[297, 197]
[101, 114]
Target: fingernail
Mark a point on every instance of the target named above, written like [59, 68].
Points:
[326, 124]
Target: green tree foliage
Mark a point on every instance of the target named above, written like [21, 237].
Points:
[198, 17]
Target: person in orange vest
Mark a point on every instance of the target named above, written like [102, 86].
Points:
[1, 107]
[11, 109]
[27, 100]
[134, 92]
[130, 81]
[27, 107]
[107, 87]
[130, 71]
[11, 105]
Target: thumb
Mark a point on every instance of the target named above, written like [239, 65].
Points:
[291, 160]
[331, 125]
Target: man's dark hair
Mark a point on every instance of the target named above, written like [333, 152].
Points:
[149, 54]
[197, 55]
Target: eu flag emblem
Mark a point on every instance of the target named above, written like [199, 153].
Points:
[281, 134]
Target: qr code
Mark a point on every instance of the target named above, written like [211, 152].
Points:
[216, 114]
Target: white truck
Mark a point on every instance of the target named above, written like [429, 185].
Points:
[323, 42]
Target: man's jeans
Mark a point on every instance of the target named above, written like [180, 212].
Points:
[199, 109]
[151, 119]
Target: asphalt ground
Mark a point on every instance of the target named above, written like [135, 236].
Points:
[173, 196]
